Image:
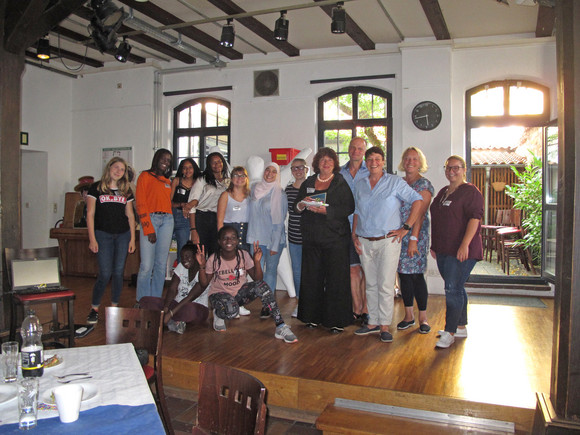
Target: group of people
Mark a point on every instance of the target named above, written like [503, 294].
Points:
[350, 230]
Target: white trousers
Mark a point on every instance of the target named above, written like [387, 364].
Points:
[380, 260]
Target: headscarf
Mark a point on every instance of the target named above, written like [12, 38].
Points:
[263, 188]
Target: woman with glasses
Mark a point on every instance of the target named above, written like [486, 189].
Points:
[299, 172]
[456, 214]
[232, 208]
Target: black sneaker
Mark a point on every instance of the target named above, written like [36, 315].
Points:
[424, 328]
[93, 317]
[404, 325]
[386, 337]
[265, 313]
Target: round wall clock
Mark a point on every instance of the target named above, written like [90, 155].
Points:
[426, 115]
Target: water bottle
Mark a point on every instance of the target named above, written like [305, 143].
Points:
[31, 349]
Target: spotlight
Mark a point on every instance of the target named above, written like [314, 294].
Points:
[105, 38]
[43, 49]
[338, 19]
[123, 51]
[228, 34]
[108, 14]
[281, 27]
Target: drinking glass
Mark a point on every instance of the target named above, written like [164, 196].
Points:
[10, 360]
[27, 403]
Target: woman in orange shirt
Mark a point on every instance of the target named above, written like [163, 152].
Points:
[154, 209]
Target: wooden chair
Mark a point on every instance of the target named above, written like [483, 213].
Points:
[230, 402]
[30, 300]
[143, 328]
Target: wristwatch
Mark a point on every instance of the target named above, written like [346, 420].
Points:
[406, 227]
[413, 238]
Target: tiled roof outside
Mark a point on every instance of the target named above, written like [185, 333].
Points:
[496, 156]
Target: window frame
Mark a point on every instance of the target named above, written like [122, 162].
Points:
[354, 122]
[202, 132]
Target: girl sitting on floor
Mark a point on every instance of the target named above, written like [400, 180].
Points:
[230, 289]
[186, 300]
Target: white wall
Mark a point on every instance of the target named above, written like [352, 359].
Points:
[112, 109]
[46, 116]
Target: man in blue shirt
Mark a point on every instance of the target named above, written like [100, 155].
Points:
[377, 231]
[352, 171]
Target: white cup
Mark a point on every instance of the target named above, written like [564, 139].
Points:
[68, 402]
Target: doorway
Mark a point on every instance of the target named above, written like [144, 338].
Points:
[34, 199]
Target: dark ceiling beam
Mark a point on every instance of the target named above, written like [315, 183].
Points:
[56, 53]
[82, 38]
[435, 17]
[33, 19]
[145, 40]
[546, 20]
[353, 30]
[260, 29]
[165, 18]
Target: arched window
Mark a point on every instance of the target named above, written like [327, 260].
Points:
[356, 111]
[198, 125]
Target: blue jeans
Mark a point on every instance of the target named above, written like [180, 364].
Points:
[113, 249]
[455, 274]
[296, 259]
[151, 276]
[180, 229]
[270, 266]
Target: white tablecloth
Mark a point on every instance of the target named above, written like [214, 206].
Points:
[114, 368]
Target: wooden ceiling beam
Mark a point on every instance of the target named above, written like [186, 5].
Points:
[353, 30]
[435, 17]
[256, 26]
[162, 16]
[546, 21]
[55, 53]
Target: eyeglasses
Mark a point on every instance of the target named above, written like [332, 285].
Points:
[453, 168]
[297, 168]
[238, 175]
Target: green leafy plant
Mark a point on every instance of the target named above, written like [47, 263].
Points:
[527, 195]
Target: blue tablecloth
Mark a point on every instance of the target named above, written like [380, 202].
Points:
[112, 419]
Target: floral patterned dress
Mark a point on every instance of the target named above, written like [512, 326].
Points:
[417, 264]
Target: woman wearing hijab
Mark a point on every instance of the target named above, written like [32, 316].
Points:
[267, 213]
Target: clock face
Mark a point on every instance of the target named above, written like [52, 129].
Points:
[426, 115]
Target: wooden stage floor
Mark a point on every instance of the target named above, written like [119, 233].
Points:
[505, 360]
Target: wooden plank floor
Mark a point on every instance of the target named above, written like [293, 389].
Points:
[505, 360]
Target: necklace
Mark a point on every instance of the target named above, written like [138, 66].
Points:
[326, 179]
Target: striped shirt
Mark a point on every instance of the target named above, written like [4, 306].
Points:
[294, 233]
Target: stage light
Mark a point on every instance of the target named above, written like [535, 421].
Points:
[228, 34]
[123, 51]
[338, 19]
[43, 49]
[281, 27]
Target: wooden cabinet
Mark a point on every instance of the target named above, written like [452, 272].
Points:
[78, 260]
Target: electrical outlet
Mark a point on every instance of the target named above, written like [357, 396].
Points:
[55, 207]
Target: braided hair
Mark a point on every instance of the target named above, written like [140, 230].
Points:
[217, 259]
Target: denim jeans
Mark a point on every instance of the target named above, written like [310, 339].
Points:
[151, 276]
[113, 249]
[180, 229]
[455, 274]
[269, 266]
[296, 259]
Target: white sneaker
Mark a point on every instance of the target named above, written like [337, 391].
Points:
[445, 340]
[283, 332]
[459, 333]
[244, 311]
[295, 312]
[218, 324]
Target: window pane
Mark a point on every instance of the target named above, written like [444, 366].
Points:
[488, 102]
[190, 117]
[339, 108]
[526, 101]
[375, 135]
[196, 116]
[338, 140]
[551, 166]
[183, 118]
[371, 106]
[183, 148]
[211, 114]
[223, 146]
[223, 114]
[550, 246]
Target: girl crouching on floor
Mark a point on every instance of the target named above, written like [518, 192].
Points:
[186, 300]
[226, 271]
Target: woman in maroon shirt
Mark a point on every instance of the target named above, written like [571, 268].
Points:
[456, 214]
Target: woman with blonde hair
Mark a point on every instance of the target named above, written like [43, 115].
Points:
[232, 208]
[111, 226]
[415, 244]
